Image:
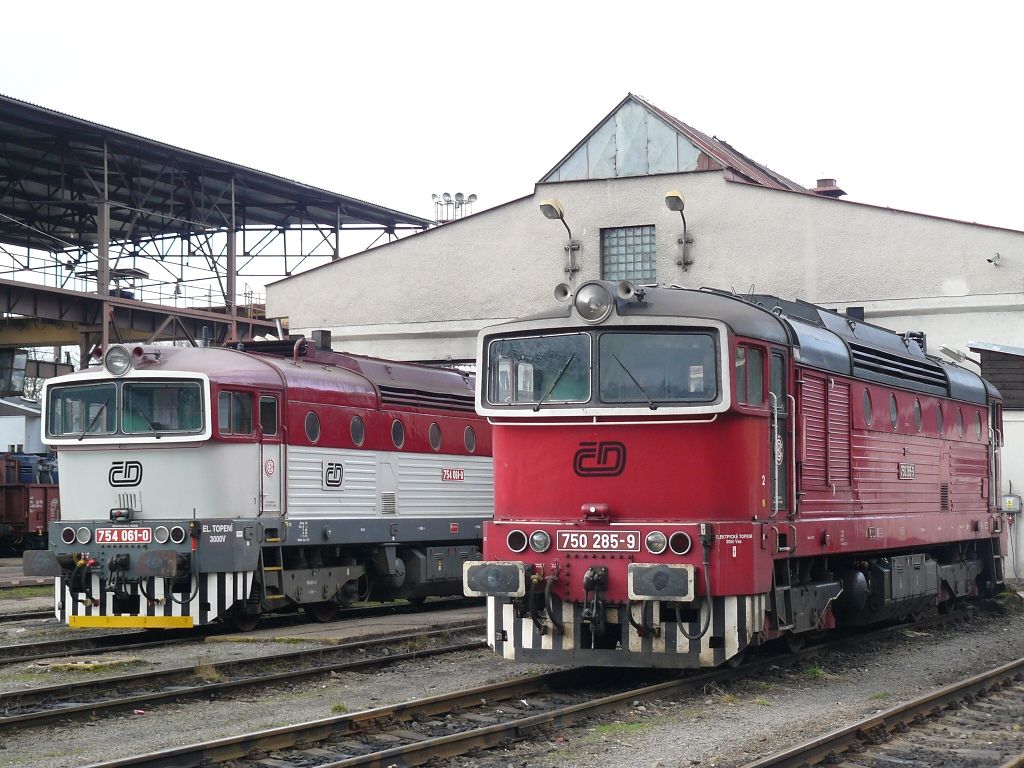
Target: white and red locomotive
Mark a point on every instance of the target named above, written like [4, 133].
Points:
[202, 483]
[680, 474]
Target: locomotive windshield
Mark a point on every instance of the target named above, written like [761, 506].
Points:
[539, 369]
[135, 408]
[653, 368]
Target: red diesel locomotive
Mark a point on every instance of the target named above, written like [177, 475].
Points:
[680, 474]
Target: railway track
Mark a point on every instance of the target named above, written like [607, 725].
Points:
[153, 638]
[970, 722]
[415, 732]
[143, 690]
[25, 616]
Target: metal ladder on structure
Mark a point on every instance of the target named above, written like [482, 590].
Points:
[271, 571]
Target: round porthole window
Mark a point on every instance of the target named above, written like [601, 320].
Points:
[469, 436]
[918, 420]
[867, 407]
[358, 430]
[434, 434]
[894, 412]
[312, 427]
[397, 433]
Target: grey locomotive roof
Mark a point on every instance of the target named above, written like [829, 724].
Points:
[823, 338]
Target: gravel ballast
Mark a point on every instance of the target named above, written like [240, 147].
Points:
[724, 726]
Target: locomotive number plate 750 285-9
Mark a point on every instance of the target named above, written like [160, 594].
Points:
[124, 535]
[599, 541]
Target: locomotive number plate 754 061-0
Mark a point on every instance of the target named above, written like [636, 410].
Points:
[124, 535]
[599, 541]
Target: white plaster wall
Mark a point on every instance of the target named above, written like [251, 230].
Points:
[426, 296]
[21, 430]
[12, 432]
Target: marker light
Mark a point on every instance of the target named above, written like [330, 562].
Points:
[68, 535]
[540, 541]
[177, 534]
[593, 302]
[161, 534]
[656, 542]
[117, 361]
[83, 535]
[680, 542]
[516, 541]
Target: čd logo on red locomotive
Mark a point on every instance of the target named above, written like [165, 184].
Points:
[604, 459]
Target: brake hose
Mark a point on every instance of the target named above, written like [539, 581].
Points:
[549, 606]
[707, 589]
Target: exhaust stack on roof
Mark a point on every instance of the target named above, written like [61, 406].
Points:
[828, 188]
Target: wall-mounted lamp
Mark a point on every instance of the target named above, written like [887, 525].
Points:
[994, 260]
[552, 209]
[675, 201]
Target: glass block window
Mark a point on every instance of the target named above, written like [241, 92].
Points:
[627, 253]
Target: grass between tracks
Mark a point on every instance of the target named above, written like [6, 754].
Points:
[19, 593]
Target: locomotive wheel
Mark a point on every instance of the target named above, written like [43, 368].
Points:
[242, 622]
[321, 612]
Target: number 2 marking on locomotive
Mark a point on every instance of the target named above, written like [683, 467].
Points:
[762, 481]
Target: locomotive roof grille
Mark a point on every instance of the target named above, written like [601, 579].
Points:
[418, 398]
[868, 360]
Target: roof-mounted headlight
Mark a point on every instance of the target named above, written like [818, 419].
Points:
[593, 302]
[117, 361]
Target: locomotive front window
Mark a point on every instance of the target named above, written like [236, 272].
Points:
[164, 406]
[655, 368]
[82, 409]
[539, 370]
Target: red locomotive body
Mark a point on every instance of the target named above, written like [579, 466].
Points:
[680, 474]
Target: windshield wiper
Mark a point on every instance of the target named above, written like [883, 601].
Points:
[650, 402]
[557, 379]
[92, 422]
[153, 425]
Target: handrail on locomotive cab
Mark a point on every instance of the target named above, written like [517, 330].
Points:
[775, 462]
[792, 455]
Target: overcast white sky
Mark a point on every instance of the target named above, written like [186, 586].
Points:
[911, 105]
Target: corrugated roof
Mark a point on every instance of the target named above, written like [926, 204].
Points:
[51, 164]
[724, 152]
[717, 150]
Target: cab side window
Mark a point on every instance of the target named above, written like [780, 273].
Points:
[234, 413]
[268, 416]
[749, 376]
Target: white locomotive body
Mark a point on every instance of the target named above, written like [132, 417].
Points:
[199, 484]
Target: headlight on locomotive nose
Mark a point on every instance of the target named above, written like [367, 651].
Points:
[177, 534]
[117, 361]
[68, 535]
[161, 534]
[593, 302]
[540, 541]
[83, 535]
[656, 542]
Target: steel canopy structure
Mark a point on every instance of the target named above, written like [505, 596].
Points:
[90, 208]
